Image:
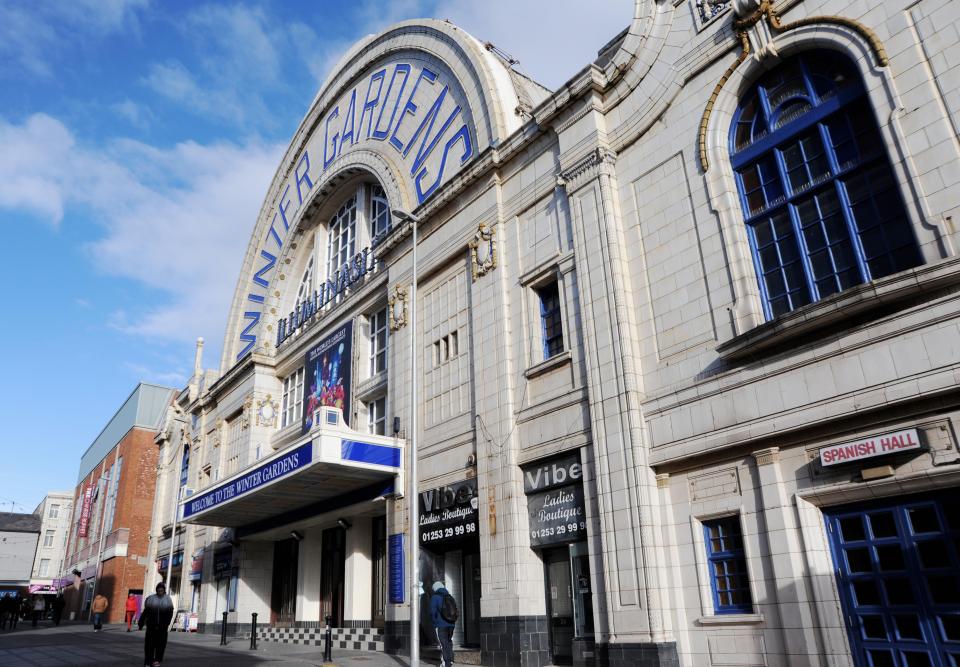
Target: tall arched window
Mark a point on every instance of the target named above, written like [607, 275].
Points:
[341, 236]
[821, 204]
[379, 213]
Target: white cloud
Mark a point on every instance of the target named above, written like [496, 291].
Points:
[177, 220]
[136, 114]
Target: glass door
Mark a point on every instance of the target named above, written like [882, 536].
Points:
[582, 590]
[560, 604]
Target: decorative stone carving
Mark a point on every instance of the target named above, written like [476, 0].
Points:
[710, 9]
[267, 411]
[245, 415]
[483, 251]
[767, 456]
[397, 308]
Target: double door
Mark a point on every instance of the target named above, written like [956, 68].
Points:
[898, 571]
[332, 571]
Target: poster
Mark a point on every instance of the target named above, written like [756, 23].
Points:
[327, 375]
[396, 568]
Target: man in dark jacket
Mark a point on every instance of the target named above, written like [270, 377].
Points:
[156, 615]
[442, 623]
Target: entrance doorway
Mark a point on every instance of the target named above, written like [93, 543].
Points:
[898, 572]
[332, 566]
[569, 598]
[379, 582]
[283, 599]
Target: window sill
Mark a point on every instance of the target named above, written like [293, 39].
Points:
[547, 365]
[731, 619]
[372, 386]
[845, 309]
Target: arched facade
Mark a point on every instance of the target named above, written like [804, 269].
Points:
[627, 454]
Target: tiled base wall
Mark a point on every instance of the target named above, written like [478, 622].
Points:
[350, 639]
[638, 655]
[514, 641]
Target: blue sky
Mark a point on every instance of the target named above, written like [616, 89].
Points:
[137, 141]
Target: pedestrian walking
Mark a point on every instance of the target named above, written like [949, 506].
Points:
[58, 604]
[39, 606]
[99, 608]
[5, 611]
[131, 609]
[156, 615]
[444, 615]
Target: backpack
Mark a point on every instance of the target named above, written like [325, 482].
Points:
[448, 608]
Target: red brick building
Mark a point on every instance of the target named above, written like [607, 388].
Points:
[113, 506]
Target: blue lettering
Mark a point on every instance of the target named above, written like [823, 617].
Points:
[326, 138]
[306, 176]
[464, 134]
[423, 155]
[283, 206]
[273, 232]
[369, 105]
[271, 261]
[256, 298]
[349, 119]
[377, 132]
[410, 107]
[245, 336]
[432, 118]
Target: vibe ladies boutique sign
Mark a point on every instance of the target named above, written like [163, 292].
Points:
[555, 501]
[449, 513]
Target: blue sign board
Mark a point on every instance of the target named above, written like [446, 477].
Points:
[368, 452]
[396, 568]
[288, 463]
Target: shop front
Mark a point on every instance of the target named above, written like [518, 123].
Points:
[450, 553]
[558, 532]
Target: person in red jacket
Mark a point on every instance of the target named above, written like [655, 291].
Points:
[131, 609]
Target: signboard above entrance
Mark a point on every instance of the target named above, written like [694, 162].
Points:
[878, 445]
[449, 513]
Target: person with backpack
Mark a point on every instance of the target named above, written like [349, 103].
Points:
[444, 615]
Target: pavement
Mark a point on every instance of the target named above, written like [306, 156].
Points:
[77, 644]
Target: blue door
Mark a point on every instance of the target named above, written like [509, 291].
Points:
[898, 571]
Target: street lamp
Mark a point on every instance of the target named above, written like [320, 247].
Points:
[414, 499]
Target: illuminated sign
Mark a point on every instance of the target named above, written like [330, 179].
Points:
[880, 445]
[410, 114]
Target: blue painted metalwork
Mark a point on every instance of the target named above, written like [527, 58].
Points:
[728, 566]
[898, 572]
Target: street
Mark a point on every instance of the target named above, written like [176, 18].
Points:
[78, 644]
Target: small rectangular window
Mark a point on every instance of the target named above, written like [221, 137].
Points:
[44, 567]
[54, 511]
[728, 566]
[378, 342]
[377, 416]
[551, 319]
[291, 409]
[48, 539]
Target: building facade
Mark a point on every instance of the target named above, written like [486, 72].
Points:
[687, 349]
[55, 512]
[19, 535]
[112, 507]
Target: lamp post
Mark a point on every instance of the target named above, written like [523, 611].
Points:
[414, 498]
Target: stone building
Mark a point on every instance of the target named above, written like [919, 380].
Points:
[19, 535]
[687, 348]
[54, 511]
[112, 507]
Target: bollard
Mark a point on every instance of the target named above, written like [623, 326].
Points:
[223, 630]
[253, 632]
[328, 642]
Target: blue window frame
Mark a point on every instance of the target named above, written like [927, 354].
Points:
[728, 566]
[820, 201]
[551, 320]
[185, 465]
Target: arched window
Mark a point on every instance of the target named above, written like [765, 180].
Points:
[306, 282]
[820, 201]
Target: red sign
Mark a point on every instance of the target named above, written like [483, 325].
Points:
[880, 445]
[85, 511]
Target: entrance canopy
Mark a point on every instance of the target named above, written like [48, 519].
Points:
[331, 461]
